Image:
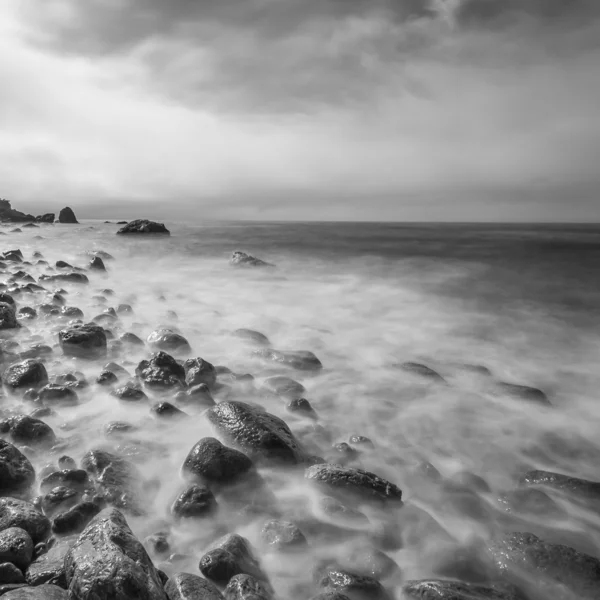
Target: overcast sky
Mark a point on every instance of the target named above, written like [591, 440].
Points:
[302, 109]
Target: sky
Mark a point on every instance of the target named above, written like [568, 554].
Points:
[426, 110]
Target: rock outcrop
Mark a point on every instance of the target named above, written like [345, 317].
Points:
[144, 226]
[8, 213]
[67, 215]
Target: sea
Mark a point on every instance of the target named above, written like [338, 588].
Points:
[477, 303]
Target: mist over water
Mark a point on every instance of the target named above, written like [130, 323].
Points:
[522, 301]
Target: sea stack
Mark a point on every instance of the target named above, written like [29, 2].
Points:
[67, 216]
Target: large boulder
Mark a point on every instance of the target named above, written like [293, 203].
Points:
[83, 341]
[16, 472]
[168, 340]
[16, 547]
[46, 218]
[194, 502]
[246, 587]
[29, 431]
[18, 513]
[439, 589]
[27, 374]
[185, 586]
[161, 372]
[301, 360]
[347, 481]
[50, 567]
[67, 215]
[198, 370]
[107, 561]
[8, 316]
[241, 259]
[143, 226]
[258, 433]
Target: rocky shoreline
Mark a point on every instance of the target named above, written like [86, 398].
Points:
[67, 513]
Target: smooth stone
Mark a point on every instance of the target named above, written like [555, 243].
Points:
[249, 335]
[301, 360]
[168, 340]
[10, 573]
[284, 386]
[16, 547]
[83, 341]
[283, 535]
[421, 371]
[27, 374]
[28, 430]
[58, 395]
[523, 392]
[18, 513]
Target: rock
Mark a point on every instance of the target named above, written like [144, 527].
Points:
[117, 428]
[27, 374]
[71, 312]
[211, 462]
[246, 587]
[421, 371]
[522, 392]
[60, 499]
[161, 372]
[8, 213]
[303, 407]
[341, 514]
[50, 567]
[67, 215]
[129, 393]
[7, 299]
[143, 226]
[27, 430]
[284, 386]
[349, 481]
[198, 370]
[158, 543]
[283, 535]
[61, 264]
[76, 479]
[361, 440]
[16, 547]
[579, 489]
[18, 513]
[231, 555]
[185, 586]
[16, 472]
[465, 480]
[168, 340]
[260, 434]
[124, 309]
[367, 560]
[9, 573]
[165, 410]
[531, 502]
[132, 339]
[241, 259]
[43, 592]
[194, 502]
[58, 395]
[66, 277]
[83, 341]
[302, 360]
[26, 312]
[46, 218]
[330, 596]
[66, 462]
[8, 317]
[525, 559]
[356, 587]
[439, 589]
[107, 378]
[107, 561]
[97, 264]
[254, 337]
[75, 519]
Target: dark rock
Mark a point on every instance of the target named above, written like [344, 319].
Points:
[58, 395]
[301, 360]
[16, 472]
[50, 567]
[198, 370]
[43, 592]
[165, 410]
[129, 393]
[211, 462]
[7, 299]
[97, 264]
[66, 462]
[161, 372]
[157, 543]
[76, 479]
[185, 586]
[559, 570]
[60, 499]
[9, 573]
[117, 428]
[361, 440]
[198, 397]
[330, 596]
[103, 255]
[258, 433]
[71, 312]
[421, 371]
[61, 264]
[26, 312]
[531, 502]
[246, 587]
[107, 378]
[302, 406]
[107, 561]
[132, 339]
[241, 259]
[16, 547]
[349, 481]
[194, 502]
[75, 519]
[356, 587]
[8, 317]
[67, 215]
[231, 555]
[66, 277]
[46, 218]
[168, 340]
[26, 430]
[8, 213]
[523, 392]
[83, 341]
[284, 386]
[143, 226]
[283, 535]
[439, 589]
[249, 335]
[18, 513]
[579, 489]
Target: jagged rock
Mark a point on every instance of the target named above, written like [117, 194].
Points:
[302, 360]
[129, 393]
[194, 502]
[59, 499]
[143, 226]
[18, 513]
[246, 587]
[198, 370]
[8, 316]
[241, 259]
[168, 340]
[67, 215]
[107, 378]
[16, 472]
[161, 372]
[8, 213]
[107, 561]
[83, 341]
[46, 218]
[185, 586]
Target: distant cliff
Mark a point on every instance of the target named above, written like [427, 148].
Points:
[8, 213]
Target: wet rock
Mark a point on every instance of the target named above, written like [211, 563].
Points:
[107, 561]
[241, 259]
[230, 556]
[75, 519]
[422, 371]
[198, 370]
[194, 502]
[26, 312]
[8, 317]
[168, 340]
[59, 499]
[61, 264]
[367, 560]
[76, 479]
[161, 372]
[129, 393]
[18, 513]
[132, 339]
[284, 386]
[124, 309]
[580, 489]
[16, 547]
[356, 482]
[198, 397]
[27, 374]
[45, 218]
[524, 559]
[157, 543]
[260, 434]
[330, 596]
[50, 567]
[165, 410]
[246, 587]
[185, 586]
[107, 378]
[531, 502]
[522, 392]
[36, 351]
[283, 535]
[211, 462]
[83, 341]
[58, 395]
[97, 264]
[66, 462]
[301, 360]
[71, 312]
[356, 587]
[26, 430]
[66, 215]
[66, 277]
[342, 514]
[439, 589]
[143, 226]
[254, 337]
[303, 407]
[117, 428]
[43, 592]
[7, 299]
[362, 441]
[16, 472]
[9, 573]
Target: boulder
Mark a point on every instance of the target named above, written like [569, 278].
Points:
[43, 592]
[143, 226]
[47, 218]
[75, 519]
[166, 410]
[60, 499]
[50, 566]
[7, 299]
[107, 561]
[439, 589]
[107, 378]
[169, 341]
[259, 434]
[129, 393]
[27, 430]
[522, 392]
[131, 339]
[578, 489]
[194, 502]
[27, 374]
[67, 215]
[356, 587]
[161, 372]
[8, 316]
[185, 586]
[76, 479]
[355, 482]
[301, 360]
[303, 407]
[9, 573]
[16, 472]
[241, 259]
[16, 547]
[198, 370]
[282, 535]
[246, 587]
[83, 341]
[58, 395]
[18, 513]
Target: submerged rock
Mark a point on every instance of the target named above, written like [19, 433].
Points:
[67, 215]
[283, 535]
[355, 586]
[580, 489]
[143, 226]
[522, 392]
[161, 372]
[83, 341]
[107, 561]
[284, 386]
[16, 472]
[302, 360]
[27, 374]
[168, 340]
[254, 337]
[421, 371]
[241, 259]
[439, 589]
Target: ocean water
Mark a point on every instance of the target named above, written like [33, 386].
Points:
[521, 301]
